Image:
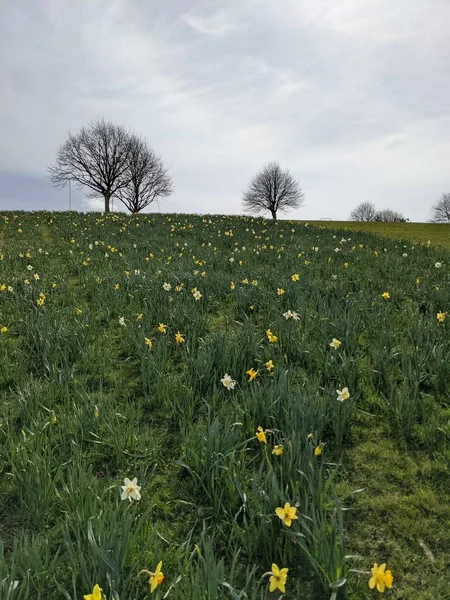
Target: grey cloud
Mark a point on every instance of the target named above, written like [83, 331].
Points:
[352, 97]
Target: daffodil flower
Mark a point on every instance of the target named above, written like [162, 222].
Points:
[286, 514]
[261, 435]
[251, 374]
[277, 579]
[269, 365]
[155, 578]
[131, 490]
[343, 394]
[96, 593]
[381, 578]
[179, 338]
[228, 382]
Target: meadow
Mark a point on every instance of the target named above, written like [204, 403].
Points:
[221, 407]
[437, 234]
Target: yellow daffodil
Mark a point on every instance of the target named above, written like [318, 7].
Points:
[318, 450]
[96, 593]
[277, 450]
[261, 435]
[232, 285]
[162, 328]
[272, 338]
[139, 317]
[156, 578]
[440, 316]
[295, 277]
[269, 365]
[251, 374]
[381, 578]
[3, 329]
[346, 265]
[148, 342]
[280, 291]
[117, 286]
[286, 514]
[277, 579]
[180, 338]
[96, 412]
[386, 295]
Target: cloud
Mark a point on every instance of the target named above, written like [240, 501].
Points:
[218, 24]
[350, 96]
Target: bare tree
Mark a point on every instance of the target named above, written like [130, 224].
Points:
[273, 189]
[96, 157]
[440, 212]
[390, 216]
[146, 175]
[365, 211]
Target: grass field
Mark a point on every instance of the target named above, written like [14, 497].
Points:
[437, 233]
[231, 365]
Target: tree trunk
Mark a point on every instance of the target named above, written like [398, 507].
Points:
[274, 214]
[107, 198]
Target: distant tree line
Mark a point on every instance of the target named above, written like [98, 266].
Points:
[112, 162]
[366, 211]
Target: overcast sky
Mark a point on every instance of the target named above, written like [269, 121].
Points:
[351, 96]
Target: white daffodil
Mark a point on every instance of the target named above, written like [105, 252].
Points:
[335, 343]
[343, 394]
[228, 382]
[131, 490]
[291, 314]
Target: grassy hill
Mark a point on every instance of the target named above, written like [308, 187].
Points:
[419, 233]
[231, 365]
